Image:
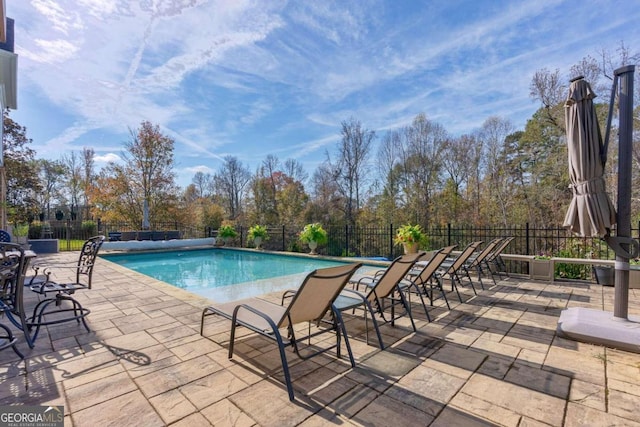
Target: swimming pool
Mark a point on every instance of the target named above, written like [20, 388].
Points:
[222, 274]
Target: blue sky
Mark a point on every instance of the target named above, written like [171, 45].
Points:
[251, 78]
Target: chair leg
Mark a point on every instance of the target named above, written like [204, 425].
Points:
[452, 277]
[11, 341]
[343, 330]
[419, 292]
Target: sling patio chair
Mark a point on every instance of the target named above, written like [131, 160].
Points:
[477, 260]
[377, 289]
[496, 260]
[424, 278]
[66, 308]
[453, 269]
[310, 303]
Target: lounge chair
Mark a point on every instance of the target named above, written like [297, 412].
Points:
[310, 303]
[43, 284]
[378, 288]
[454, 268]
[477, 260]
[424, 278]
[496, 260]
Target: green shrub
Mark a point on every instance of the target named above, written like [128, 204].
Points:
[572, 271]
[35, 230]
[89, 227]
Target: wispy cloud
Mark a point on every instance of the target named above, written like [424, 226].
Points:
[254, 77]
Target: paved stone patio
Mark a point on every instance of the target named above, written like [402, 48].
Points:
[493, 360]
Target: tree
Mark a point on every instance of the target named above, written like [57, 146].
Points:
[230, 184]
[88, 177]
[21, 172]
[145, 174]
[51, 174]
[73, 180]
[350, 169]
[422, 149]
[499, 185]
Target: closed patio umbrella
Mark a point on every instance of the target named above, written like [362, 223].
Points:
[591, 213]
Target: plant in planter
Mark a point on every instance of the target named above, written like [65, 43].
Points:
[259, 234]
[227, 232]
[541, 267]
[410, 236]
[313, 235]
[21, 233]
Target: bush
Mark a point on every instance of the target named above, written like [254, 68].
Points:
[89, 228]
[35, 230]
[571, 271]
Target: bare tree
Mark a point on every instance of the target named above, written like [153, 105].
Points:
[350, 169]
[73, 180]
[230, 183]
[88, 177]
[295, 170]
[202, 184]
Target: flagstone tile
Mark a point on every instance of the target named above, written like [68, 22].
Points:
[579, 415]
[539, 406]
[484, 410]
[172, 406]
[119, 411]
[225, 413]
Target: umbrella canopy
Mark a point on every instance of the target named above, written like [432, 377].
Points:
[145, 216]
[591, 213]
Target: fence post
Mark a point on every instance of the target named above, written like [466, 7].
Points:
[527, 245]
[448, 234]
[283, 244]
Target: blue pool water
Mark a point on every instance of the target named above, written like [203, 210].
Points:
[222, 275]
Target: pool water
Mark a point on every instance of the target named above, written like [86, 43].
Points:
[223, 275]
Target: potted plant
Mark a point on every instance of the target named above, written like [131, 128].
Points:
[410, 237]
[313, 235]
[258, 233]
[227, 232]
[21, 233]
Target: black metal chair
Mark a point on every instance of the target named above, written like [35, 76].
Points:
[12, 263]
[4, 236]
[66, 308]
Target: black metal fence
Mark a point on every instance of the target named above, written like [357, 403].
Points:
[370, 242]
[378, 241]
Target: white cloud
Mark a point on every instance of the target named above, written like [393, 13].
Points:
[107, 158]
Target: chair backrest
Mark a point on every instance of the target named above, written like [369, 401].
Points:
[87, 259]
[4, 236]
[485, 252]
[434, 263]
[316, 294]
[12, 266]
[464, 255]
[397, 271]
[501, 247]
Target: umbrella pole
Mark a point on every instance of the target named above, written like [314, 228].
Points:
[621, 300]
